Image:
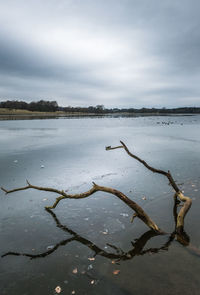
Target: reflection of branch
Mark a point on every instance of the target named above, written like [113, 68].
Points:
[163, 248]
[137, 245]
[44, 254]
[119, 255]
[139, 211]
[187, 201]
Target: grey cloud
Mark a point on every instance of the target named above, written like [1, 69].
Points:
[130, 53]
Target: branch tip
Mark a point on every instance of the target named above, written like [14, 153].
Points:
[28, 182]
[109, 147]
[3, 189]
[133, 217]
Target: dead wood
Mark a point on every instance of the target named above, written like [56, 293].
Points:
[187, 201]
[141, 214]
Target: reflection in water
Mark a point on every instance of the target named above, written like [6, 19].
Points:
[118, 254]
[166, 272]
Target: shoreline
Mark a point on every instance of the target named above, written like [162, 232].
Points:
[28, 115]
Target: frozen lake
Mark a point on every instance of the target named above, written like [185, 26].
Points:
[70, 154]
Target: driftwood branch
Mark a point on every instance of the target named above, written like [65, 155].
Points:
[154, 170]
[140, 213]
[187, 201]
[183, 211]
[47, 189]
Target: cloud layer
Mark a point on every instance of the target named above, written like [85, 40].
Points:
[130, 53]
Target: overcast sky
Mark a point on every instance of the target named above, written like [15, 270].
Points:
[120, 53]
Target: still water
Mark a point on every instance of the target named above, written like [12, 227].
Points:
[89, 246]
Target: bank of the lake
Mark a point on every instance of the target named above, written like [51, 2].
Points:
[17, 114]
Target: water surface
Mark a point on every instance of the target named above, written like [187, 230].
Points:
[70, 154]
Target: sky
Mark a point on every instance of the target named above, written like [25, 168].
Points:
[119, 53]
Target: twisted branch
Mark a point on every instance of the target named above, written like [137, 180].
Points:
[187, 201]
[141, 214]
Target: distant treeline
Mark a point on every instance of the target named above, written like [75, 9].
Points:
[102, 110]
[39, 106]
[52, 106]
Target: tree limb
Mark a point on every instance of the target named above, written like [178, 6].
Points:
[139, 212]
[134, 206]
[187, 201]
[182, 213]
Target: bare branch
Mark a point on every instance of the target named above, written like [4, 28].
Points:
[15, 190]
[154, 170]
[108, 148]
[47, 189]
[182, 213]
[139, 212]
[133, 217]
[187, 201]
[134, 206]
